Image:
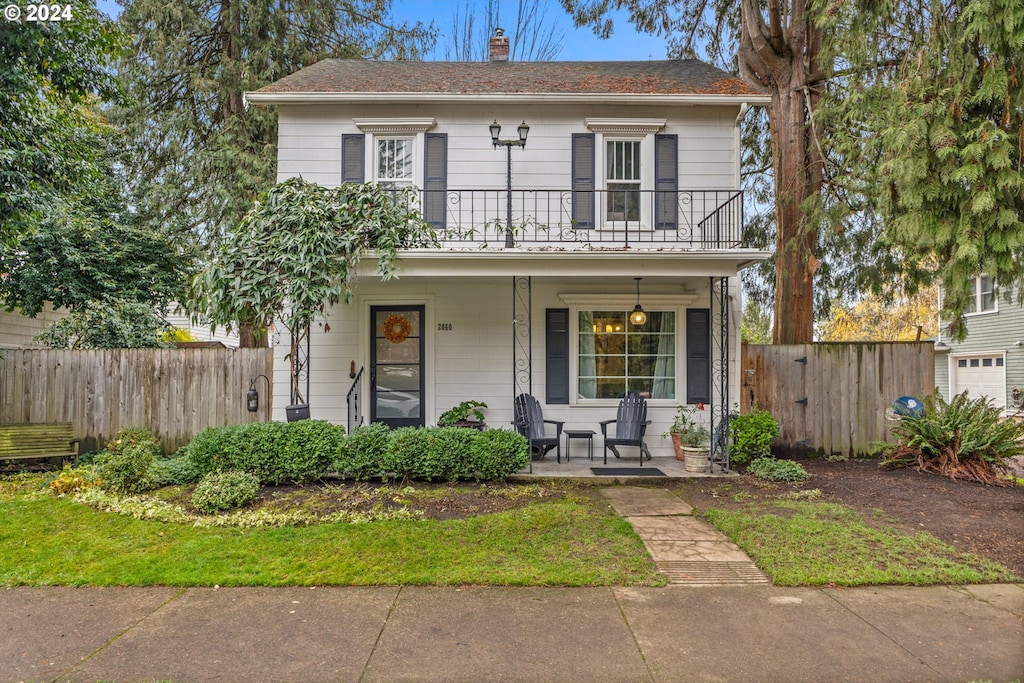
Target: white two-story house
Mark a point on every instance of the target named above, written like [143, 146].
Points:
[625, 192]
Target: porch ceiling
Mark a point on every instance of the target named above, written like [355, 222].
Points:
[567, 264]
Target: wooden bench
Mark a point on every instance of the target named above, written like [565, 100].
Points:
[38, 440]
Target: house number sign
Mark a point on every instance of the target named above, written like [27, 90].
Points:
[445, 327]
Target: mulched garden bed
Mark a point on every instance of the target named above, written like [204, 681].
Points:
[985, 520]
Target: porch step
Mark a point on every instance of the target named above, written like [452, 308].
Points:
[705, 573]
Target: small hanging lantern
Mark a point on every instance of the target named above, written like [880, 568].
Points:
[638, 317]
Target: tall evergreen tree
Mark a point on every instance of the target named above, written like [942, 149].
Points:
[201, 156]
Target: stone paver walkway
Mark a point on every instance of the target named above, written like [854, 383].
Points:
[688, 551]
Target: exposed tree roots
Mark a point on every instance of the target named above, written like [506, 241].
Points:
[947, 464]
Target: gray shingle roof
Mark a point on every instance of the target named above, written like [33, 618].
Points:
[669, 77]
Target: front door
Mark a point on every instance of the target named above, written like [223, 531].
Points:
[396, 366]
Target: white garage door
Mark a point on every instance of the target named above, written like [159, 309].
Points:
[981, 375]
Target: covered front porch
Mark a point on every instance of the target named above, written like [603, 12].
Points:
[482, 330]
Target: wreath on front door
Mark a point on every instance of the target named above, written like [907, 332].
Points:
[396, 328]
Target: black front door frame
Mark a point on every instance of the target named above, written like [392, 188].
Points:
[376, 334]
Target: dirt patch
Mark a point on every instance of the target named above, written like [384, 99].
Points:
[985, 520]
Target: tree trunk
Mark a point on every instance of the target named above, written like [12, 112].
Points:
[777, 54]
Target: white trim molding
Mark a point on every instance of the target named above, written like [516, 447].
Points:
[653, 301]
[396, 126]
[624, 126]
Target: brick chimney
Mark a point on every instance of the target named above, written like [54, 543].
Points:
[499, 46]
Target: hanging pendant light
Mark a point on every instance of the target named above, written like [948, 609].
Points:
[638, 317]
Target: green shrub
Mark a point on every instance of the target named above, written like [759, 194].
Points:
[752, 436]
[448, 454]
[124, 467]
[225, 490]
[497, 453]
[771, 469]
[213, 448]
[173, 471]
[274, 452]
[362, 454]
[407, 448]
[307, 450]
[963, 439]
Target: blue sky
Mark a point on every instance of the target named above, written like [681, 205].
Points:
[580, 43]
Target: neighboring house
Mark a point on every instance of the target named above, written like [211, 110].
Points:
[17, 330]
[990, 361]
[629, 170]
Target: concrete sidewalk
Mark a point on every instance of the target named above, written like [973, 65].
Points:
[735, 633]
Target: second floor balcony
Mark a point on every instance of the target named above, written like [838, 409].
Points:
[687, 220]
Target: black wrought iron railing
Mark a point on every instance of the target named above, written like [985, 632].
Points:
[354, 399]
[689, 219]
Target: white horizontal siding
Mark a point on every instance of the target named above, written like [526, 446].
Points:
[309, 141]
[473, 361]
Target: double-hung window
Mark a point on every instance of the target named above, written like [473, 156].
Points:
[623, 176]
[982, 295]
[395, 162]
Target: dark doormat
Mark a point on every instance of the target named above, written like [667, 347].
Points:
[627, 471]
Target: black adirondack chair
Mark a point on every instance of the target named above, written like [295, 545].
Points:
[630, 426]
[530, 422]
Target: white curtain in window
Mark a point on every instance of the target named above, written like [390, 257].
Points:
[587, 366]
[665, 366]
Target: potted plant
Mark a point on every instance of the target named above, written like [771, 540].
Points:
[466, 414]
[690, 438]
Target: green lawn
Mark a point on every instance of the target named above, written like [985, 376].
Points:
[568, 540]
[575, 541]
[805, 543]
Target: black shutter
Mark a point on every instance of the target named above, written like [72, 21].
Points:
[435, 178]
[556, 330]
[583, 181]
[353, 158]
[666, 181]
[698, 355]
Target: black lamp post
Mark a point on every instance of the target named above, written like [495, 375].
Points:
[252, 397]
[523, 131]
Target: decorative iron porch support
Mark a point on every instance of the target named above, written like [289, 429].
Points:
[299, 357]
[522, 347]
[720, 344]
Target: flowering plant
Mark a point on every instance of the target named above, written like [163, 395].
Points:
[690, 432]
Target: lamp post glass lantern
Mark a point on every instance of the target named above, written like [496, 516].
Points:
[523, 130]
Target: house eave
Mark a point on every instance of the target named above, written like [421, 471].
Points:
[691, 99]
[570, 264]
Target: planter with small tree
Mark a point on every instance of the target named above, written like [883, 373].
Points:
[467, 414]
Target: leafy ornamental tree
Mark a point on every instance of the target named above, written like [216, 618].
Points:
[52, 72]
[202, 157]
[874, 319]
[295, 252]
[108, 324]
[531, 38]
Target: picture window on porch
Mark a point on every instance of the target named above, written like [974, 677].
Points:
[616, 357]
[395, 162]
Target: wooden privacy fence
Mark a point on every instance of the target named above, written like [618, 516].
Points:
[830, 398]
[176, 393]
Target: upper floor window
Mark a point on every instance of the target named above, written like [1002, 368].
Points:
[982, 293]
[623, 179]
[395, 162]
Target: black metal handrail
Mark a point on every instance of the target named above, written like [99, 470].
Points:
[688, 219]
[354, 399]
